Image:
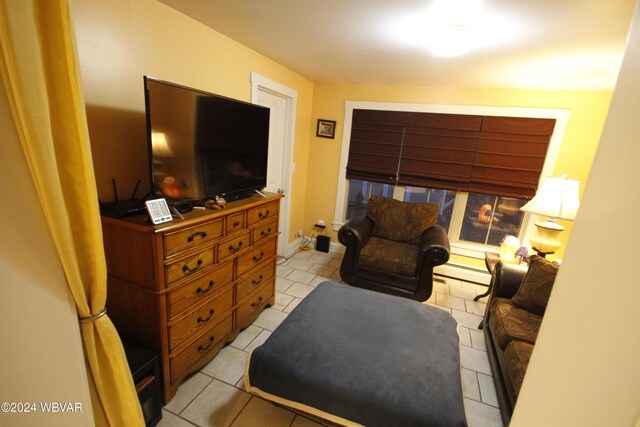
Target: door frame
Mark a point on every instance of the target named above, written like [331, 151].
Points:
[261, 83]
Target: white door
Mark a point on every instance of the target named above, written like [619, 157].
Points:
[282, 103]
[275, 169]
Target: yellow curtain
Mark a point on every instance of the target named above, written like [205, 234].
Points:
[41, 74]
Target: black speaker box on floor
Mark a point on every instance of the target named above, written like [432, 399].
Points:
[322, 243]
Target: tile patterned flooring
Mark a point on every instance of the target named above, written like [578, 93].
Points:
[215, 395]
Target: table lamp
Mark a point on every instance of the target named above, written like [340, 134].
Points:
[557, 199]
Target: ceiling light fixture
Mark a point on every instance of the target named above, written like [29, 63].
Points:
[453, 22]
[450, 28]
[452, 40]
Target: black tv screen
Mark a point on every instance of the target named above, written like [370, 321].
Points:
[203, 145]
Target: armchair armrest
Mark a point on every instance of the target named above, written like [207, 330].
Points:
[356, 232]
[434, 244]
[507, 279]
[353, 234]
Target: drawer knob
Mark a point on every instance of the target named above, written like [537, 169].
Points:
[206, 319]
[202, 235]
[257, 303]
[236, 224]
[265, 233]
[235, 248]
[257, 281]
[264, 215]
[204, 291]
[258, 258]
[186, 268]
[206, 347]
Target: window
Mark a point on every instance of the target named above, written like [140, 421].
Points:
[443, 198]
[359, 193]
[487, 219]
[474, 221]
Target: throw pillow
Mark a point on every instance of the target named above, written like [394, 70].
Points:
[535, 289]
[400, 221]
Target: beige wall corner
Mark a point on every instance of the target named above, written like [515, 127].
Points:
[585, 368]
[42, 359]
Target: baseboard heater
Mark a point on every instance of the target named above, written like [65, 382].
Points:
[462, 272]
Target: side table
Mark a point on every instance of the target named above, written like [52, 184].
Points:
[491, 260]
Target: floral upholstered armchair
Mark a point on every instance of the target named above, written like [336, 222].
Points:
[393, 248]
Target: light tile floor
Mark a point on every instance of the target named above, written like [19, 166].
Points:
[215, 395]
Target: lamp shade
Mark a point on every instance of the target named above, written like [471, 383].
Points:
[558, 198]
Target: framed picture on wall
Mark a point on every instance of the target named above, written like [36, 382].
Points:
[326, 128]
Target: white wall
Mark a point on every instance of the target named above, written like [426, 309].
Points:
[41, 358]
[585, 369]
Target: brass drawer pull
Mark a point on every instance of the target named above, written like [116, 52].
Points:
[256, 258]
[236, 224]
[235, 248]
[264, 215]
[186, 268]
[201, 320]
[265, 233]
[206, 347]
[202, 235]
[204, 291]
[257, 303]
[257, 281]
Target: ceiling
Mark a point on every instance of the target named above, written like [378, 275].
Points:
[541, 44]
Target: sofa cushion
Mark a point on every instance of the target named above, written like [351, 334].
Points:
[535, 289]
[516, 359]
[390, 257]
[509, 323]
[400, 221]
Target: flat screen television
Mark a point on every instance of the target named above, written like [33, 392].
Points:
[202, 145]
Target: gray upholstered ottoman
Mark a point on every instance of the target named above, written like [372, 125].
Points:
[353, 356]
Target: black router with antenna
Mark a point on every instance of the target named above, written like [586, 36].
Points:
[122, 208]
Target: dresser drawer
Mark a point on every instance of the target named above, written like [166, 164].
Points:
[187, 266]
[255, 302]
[200, 319]
[262, 213]
[256, 256]
[253, 280]
[192, 237]
[210, 342]
[189, 295]
[233, 246]
[235, 223]
[266, 230]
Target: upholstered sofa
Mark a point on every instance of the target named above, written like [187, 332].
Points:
[393, 248]
[511, 323]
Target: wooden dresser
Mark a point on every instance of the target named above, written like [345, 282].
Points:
[186, 288]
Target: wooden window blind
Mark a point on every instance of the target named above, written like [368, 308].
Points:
[439, 150]
[376, 142]
[510, 156]
[485, 154]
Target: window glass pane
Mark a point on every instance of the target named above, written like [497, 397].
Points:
[443, 198]
[487, 219]
[359, 193]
